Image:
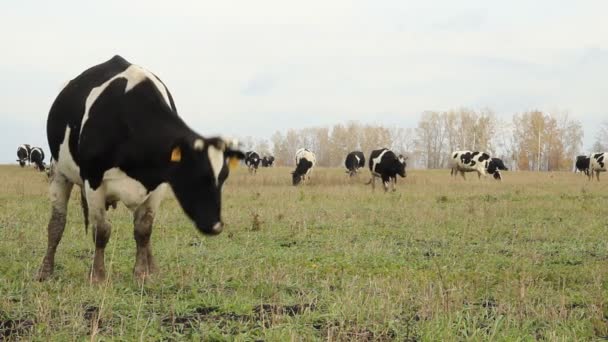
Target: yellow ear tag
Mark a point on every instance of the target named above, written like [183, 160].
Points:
[176, 154]
[233, 162]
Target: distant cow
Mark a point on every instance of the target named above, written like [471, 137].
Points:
[267, 161]
[23, 154]
[37, 158]
[480, 162]
[582, 164]
[114, 131]
[384, 164]
[597, 164]
[252, 160]
[305, 162]
[354, 161]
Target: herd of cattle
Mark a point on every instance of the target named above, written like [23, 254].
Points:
[114, 131]
[31, 155]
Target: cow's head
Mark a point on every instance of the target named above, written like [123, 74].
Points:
[495, 166]
[399, 165]
[197, 172]
[301, 169]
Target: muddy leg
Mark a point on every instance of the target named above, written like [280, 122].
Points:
[143, 218]
[597, 175]
[101, 231]
[462, 174]
[59, 191]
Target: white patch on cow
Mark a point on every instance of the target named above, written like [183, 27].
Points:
[376, 161]
[134, 75]
[216, 158]
[199, 144]
[358, 161]
[65, 163]
[118, 186]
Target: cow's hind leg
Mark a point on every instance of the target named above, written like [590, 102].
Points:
[59, 191]
[96, 200]
[143, 217]
[462, 174]
[597, 175]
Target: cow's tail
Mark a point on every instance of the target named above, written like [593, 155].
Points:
[85, 210]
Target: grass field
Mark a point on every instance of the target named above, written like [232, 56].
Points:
[440, 259]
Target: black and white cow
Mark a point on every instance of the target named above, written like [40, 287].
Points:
[305, 162]
[37, 158]
[252, 160]
[582, 164]
[597, 163]
[267, 161]
[114, 131]
[354, 161]
[480, 162]
[386, 165]
[23, 154]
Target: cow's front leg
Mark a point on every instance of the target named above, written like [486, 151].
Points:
[59, 192]
[143, 218]
[394, 183]
[385, 182]
[96, 199]
[462, 174]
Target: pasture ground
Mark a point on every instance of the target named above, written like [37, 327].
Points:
[440, 259]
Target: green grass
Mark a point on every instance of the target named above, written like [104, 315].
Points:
[440, 259]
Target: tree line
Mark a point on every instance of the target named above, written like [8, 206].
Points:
[533, 140]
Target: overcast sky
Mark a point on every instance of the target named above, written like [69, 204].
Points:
[249, 68]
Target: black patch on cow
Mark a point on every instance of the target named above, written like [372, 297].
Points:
[484, 156]
[475, 153]
[455, 155]
[472, 163]
[600, 161]
[303, 166]
[597, 155]
[466, 157]
[582, 163]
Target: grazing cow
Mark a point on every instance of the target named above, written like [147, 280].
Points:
[37, 158]
[597, 164]
[480, 162]
[267, 161]
[305, 162]
[114, 131]
[582, 164]
[252, 160]
[354, 161]
[23, 153]
[384, 164]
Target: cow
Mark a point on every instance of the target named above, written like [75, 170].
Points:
[582, 164]
[23, 154]
[305, 162]
[252, 160]
[267, 161]
[37, 158]
[354, 161]
[597, 163]
[386, 165]
[480, 162]
[114, 131]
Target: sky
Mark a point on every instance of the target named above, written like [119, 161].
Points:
[250, 68]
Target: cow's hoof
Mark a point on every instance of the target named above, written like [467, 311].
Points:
[97, 277]
[42, 275]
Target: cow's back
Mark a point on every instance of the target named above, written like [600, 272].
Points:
[69, 107]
